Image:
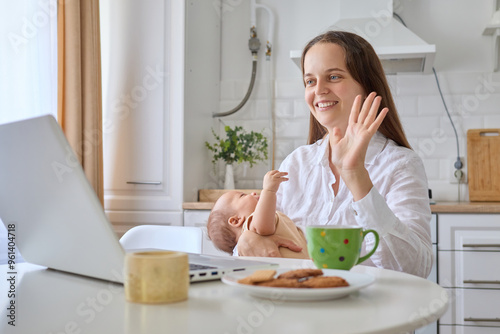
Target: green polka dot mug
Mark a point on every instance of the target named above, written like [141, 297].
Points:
[336, 246]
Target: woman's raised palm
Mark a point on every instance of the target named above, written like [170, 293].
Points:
[348, 151]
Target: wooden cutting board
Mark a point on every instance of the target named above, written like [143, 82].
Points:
[483, 161]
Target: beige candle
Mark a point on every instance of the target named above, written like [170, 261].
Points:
[156, 277]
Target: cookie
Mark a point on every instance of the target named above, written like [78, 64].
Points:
[325, 282]
[258, 276]
[300, 278]
[301, 273]
[282, 283]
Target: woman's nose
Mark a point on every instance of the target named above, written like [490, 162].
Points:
[321, 87]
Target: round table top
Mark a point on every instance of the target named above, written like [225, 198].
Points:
[48, 301]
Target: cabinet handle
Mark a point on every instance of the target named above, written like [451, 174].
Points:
[156, 183]
[472, 281]
[483, 319]
[481, 245]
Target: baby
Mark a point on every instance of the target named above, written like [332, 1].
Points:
[235, 213]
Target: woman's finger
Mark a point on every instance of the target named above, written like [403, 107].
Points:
[282, 242]
[367, 104]
[356, 105]
[373, 111]
[376, 123]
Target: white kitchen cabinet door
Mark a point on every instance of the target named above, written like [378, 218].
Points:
[467, 330]
[142, 48]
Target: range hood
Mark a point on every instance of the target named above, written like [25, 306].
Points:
[399, 49]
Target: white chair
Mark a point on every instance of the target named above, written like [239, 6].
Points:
[176, 238]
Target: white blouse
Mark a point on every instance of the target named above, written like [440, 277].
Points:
[397, 206]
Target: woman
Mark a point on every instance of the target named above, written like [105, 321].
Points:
[358, 168]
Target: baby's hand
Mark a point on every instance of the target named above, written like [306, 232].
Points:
[272, 180]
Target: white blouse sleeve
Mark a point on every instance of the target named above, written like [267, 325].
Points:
[401, 217]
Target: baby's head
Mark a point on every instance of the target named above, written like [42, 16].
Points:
[227, 217]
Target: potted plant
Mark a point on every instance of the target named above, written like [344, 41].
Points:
[238, 146]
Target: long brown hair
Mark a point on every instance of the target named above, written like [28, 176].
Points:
[364, 65]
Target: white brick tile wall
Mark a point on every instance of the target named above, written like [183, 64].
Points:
[481, 104]
[289, 90]
[420, 126]
[431, 168]
[430, 148]
[243, 113]
[227, 90]
[300, 109]
[406, 105]
[261, 110]
[460, 83]
[462, 124]
[431, 105]
[283, 148]
[491, 122]
[291, 128]
[392, 80]
[416, 85]
[284, 108]
[445, 169]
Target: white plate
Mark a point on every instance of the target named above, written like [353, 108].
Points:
[356, 282]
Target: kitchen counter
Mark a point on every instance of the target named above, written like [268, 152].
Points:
[439, 207]
[466, 207]
[197, 205]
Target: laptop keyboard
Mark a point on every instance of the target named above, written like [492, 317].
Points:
[193, 266]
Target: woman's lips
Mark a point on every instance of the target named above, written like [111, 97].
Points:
[326, 104]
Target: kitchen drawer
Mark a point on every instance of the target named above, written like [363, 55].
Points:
[444, 329]
[455, 230]
[469, 269]
[196, 217]
[473, 307]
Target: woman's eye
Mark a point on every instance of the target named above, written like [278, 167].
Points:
[309, 82]
[334, 77]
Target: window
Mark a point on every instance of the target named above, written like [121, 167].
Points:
[28, 67]
[28, 59]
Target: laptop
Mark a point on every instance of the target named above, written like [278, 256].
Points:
[58, 221]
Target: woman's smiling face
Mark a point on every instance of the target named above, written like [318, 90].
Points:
[330, 89]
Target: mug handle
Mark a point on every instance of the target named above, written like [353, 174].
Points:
[375, 234]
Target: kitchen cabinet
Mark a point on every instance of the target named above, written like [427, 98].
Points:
[199, 219]
[468, 255]
[142, 78]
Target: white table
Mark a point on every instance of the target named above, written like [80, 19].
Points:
[48, 301]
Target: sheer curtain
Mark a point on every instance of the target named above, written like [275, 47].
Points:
[28, 59]
[28, 67]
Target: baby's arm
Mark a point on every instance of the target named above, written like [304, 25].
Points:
[264, 216]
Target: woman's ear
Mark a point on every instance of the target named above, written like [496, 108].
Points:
[236, 221]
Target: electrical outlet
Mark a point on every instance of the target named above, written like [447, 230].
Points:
[458, 175]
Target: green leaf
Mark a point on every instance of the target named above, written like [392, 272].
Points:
[238, 146]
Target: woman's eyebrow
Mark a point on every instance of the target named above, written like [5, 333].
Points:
[334, 69]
